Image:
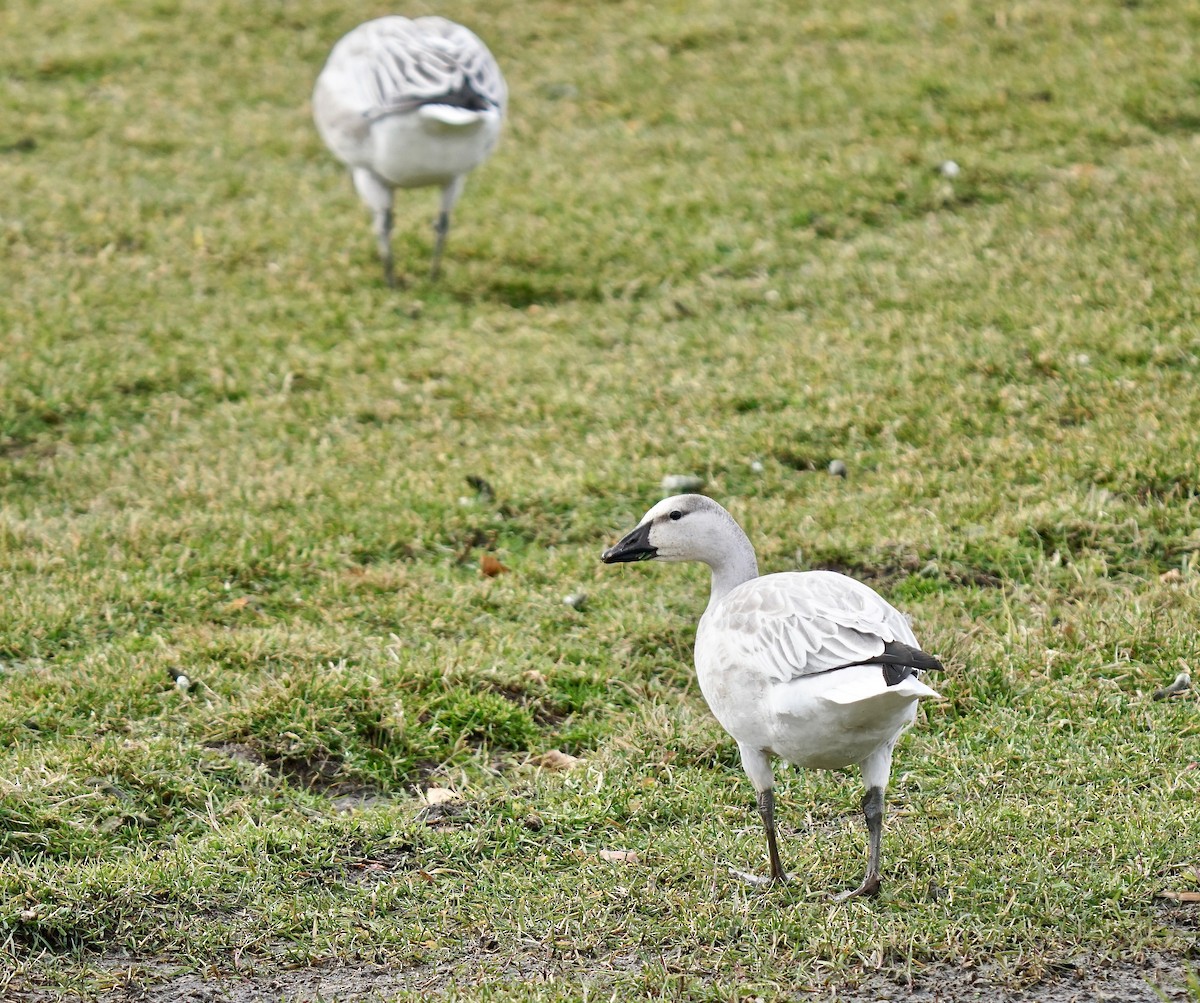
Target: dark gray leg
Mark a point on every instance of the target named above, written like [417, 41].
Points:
[450, 196]
[378, 196]
[758, 769]
[872, 805]
[766, 808]
[766, 811]
[383, 233]
[440, 228]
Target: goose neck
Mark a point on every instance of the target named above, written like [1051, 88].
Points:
[737, 565]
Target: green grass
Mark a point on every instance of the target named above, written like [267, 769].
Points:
[713, 241]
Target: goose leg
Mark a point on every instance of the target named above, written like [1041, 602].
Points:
[758, 769]
[872, 805]
[875, 770]
[383, 234]
[450, 197]
[378, 197]
[441, 228]
[766, 808]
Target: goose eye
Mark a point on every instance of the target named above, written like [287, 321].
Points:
[676, 515]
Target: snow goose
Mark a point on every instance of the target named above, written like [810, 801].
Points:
[409, 103]
[813, 667]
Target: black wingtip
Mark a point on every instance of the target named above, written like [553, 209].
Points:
[899, 653]
[901, 660]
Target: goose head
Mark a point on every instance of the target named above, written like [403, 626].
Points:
[680, 528]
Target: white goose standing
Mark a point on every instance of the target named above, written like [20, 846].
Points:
[813, 667]
[409, 103]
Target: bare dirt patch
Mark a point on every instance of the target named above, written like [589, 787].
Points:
[1151, 980]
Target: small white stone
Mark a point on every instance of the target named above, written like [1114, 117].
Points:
[1181, 684]
[756, 466]
[949, 169]
[679, 484]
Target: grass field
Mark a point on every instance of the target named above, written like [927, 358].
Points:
[714, 241]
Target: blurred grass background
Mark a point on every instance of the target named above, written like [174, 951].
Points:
[715, 240]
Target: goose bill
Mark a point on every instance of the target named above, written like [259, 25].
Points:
[634, 547]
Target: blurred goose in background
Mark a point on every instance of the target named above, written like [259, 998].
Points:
[409, 103]
[813, 667]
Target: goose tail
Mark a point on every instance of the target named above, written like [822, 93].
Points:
[451, 118]
[906, 691]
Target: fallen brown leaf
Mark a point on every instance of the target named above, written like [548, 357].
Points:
[440, 795]
[620, 856]
[555, 760]
[1180, 896]
[490, 567]
[434, 873]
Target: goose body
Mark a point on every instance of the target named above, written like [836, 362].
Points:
[813, 667]
[407, 103]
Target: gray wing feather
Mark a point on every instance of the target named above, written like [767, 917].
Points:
[395, 64]
[802, 623]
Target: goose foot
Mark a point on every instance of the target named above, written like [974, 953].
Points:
[751, 879]
[868, 889]
[760, 880]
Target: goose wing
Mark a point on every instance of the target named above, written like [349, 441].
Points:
[395, 64]
[786, 626]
